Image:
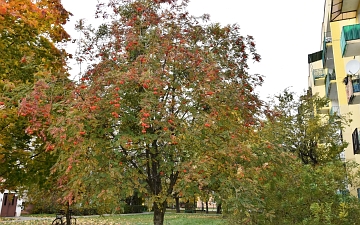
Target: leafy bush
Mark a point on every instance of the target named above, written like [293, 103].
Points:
[135, 208]
[84, 211]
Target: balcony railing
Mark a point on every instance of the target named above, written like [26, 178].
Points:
[349, 33]
[324, 51]
[335, 109]
[329, 77]
[356, 86]
[327, 39]
[327, 86]
[319, 73]
[332, 74]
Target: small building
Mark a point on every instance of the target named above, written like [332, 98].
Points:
[10, 204]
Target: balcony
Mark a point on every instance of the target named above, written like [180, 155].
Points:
[335, 110]
[334, 114]
[353, 89]
[330, 83]
[324, 110]
[356, 86]
[343, 9]
[355, 141]
[327, 37]
[319, 76]
[327, 54]
[316, 56]
[350, 40]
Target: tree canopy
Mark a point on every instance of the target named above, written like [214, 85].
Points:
[167, 91]
[29, 32]
[296, 125]
[166, 108]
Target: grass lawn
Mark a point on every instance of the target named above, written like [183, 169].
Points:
[141, 219]
[5, 219]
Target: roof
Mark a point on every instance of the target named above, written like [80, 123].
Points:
[343, 9]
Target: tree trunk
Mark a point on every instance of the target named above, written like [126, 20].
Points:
[159, 213]
[68, 218]
[67, 214]
[218, 209]
[177, 204]
[207, 207]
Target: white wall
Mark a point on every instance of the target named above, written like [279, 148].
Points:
[1, 200]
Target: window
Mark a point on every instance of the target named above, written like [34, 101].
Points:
[5, 198]
[355, 140]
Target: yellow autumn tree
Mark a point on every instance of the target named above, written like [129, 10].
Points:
[29, 31]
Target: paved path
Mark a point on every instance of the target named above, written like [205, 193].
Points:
[24, 218]
[27, 218]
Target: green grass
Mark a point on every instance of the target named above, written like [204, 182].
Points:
[141, 219]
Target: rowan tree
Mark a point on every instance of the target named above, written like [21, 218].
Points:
[167, 89]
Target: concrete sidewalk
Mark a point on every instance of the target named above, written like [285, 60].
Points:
[24, 218]
[28, 218]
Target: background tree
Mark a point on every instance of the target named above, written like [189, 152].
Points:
[29, 31]
[305, 180]
[297, 126]
[161, 96]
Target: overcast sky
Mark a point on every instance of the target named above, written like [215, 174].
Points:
[285, 31]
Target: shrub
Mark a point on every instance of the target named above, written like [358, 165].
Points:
[135, 208]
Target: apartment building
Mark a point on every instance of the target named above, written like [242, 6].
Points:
[334, 70]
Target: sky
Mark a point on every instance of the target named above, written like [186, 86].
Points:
[285, 32]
